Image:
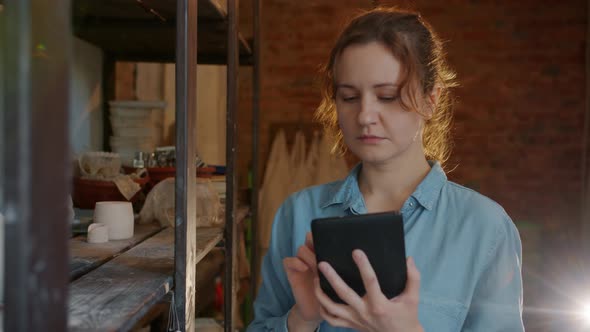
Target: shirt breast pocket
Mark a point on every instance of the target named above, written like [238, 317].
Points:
[440, 314]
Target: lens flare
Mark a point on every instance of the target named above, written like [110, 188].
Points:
[586, 313]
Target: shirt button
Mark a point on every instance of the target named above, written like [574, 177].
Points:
[411, 203]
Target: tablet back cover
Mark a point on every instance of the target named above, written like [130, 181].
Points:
[379, 235]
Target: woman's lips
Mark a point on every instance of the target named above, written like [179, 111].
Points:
[370, 139]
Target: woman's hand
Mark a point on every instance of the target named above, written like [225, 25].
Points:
[301, 272]
[372, 312]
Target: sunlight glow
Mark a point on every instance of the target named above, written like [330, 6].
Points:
[586, 313]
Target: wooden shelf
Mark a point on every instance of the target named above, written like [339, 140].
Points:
[119, 293]
[127, 31]
[85, 256]
[207, 238]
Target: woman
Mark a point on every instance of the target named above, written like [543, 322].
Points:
[386, 100]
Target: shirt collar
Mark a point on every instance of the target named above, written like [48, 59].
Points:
[348, 194]
[428, 191]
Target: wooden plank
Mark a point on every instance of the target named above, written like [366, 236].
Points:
[118, 294]
[127, 31]
[207, 59]
[154, 40]
[85, 256]
[207, 238]
[126, 9]
[123, 9]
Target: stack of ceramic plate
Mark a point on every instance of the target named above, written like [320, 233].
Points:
[137, 127]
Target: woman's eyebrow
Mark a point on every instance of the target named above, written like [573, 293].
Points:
[378, 85]
[344, 85]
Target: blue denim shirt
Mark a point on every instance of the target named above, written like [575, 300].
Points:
[465, 246]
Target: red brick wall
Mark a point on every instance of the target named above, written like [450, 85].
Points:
[519, 117]
[296, 36]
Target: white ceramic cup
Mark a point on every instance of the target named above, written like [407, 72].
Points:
[98, 233]
[118, 217]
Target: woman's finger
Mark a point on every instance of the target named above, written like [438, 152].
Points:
[308, 257]
[309, 241]
[333, 320]
[336, 312]
[344, 291]
[375, 296]
[412, 289]
[295, 264]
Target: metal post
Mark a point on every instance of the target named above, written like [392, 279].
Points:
[255, 166]
[2, 142]
[36, 40]
[585, 201]
[186, 199]
[108, 94]
[231, 153]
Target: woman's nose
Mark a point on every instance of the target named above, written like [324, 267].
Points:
[368, 113]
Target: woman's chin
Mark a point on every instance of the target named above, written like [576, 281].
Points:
[374, 157]
[379, 156]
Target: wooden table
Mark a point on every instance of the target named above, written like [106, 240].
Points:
[115, 284]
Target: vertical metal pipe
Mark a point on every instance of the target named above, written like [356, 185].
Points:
[108, 94]
[254, 265]
[186, 199]
[36, 39]
[2, 110]
[585, 203]
[3, 46]
[231, 152]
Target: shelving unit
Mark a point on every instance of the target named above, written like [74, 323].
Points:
[158, 31]
[34, 94]
[164, 31]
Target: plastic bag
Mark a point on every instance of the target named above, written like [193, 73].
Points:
[99, 165]
[159, 205]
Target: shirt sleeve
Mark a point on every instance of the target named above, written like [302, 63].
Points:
[275, 298]
[497, 301]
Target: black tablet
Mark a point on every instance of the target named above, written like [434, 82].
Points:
[379, 235]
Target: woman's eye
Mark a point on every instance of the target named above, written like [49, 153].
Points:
[349, 99]
[388, 98]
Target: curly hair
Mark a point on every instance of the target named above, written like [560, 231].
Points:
[413, 42]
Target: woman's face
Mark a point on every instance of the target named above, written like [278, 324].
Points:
[375, 126]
